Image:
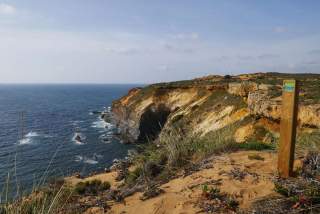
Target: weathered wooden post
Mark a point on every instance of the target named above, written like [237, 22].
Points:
[288, 126]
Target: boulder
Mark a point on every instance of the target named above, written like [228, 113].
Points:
[94, 210]
[261, 104]
[244, 133]
[243, 88]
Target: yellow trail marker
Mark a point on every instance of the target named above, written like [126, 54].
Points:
[288, 126]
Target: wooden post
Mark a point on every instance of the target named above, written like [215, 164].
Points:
[288, 126]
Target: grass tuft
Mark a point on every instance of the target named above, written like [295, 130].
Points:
[91, 187]
[256, 145]
[255, 157]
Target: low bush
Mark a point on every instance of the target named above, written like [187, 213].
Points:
[131, 177]
[91, 187]
[255, 145]
[255, 157]
[309, 141]
[300, 194]
[216, 201]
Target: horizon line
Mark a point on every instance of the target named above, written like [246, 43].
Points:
[68, 83]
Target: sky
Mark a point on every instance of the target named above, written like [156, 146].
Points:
[147, 41]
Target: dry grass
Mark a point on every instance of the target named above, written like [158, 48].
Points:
[46, 200]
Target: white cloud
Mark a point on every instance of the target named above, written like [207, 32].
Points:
[280, 29]
[268, 56]
[163, 68]
[7, 9]
[124, 51]
[314, 52]
[121, 57]
[178, 49]
[185, 36]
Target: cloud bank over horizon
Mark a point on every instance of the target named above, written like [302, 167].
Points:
[140, 42]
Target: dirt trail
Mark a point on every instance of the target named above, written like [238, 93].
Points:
[182, 195]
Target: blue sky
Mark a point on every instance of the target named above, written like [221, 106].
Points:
[144, 41]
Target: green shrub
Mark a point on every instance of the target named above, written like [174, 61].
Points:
[177, 118]
[151, 169]
[178, 148]
[219, 200]
[281, 189]
[91, 187]
[231, 203]
[80, 188]
[105, 185]
[164, 175]
[217, 141]
[309, 141]
[255, 157]
[133, 176]
[256, 145]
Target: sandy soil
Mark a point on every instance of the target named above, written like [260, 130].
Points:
[183, 194]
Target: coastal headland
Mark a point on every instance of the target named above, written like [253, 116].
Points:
[207, 145]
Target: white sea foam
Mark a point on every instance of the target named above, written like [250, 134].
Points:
[84, 159]
[32, 134]
[25, 141]
[78, 158]
[101, 124]
[106, 137]
[76, 122]
[28, 138]
[97, 156]
[90, 161]
[78, 141]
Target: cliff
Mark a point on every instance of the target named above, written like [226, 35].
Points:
[201, 106]
[214, 152]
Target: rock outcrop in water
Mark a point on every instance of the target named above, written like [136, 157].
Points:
[204, 105]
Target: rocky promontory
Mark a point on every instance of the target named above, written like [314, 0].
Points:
[207, 145]
[204, 105]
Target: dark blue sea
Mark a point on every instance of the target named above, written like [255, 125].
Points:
[39, 143]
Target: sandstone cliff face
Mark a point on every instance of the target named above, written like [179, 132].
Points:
[204, 105]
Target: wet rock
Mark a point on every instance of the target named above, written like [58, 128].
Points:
[96, 112]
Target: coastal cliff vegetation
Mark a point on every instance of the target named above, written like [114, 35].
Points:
[207, 145]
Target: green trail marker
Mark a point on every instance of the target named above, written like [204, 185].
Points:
[288, 126]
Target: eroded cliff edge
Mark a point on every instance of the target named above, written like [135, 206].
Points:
[250, 103]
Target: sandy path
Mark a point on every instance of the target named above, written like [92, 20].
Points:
[182, 194]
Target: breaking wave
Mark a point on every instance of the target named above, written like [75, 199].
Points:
[101, 124]
[30, 137]
[32, 134]
[84, 159]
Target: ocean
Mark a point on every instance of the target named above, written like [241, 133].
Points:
[38, 129]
